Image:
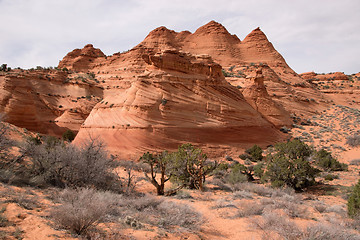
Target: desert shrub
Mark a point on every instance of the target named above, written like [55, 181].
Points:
[5, 142]
[190, 167]
[326, 161]
[355, 162]
[68, 135]
[3, 220]
[274, 223]
[183, 194]
[131, 180]
[175, 214]
[244, 156]
[320, 207]
[330, 177]
[255, 153]
[5, 154]
[81, 209]
[325, 231]
[223, 203]
[289, 166]
[63, 165]
[242, 194]
[339, 209]
[160, 212]
[158, 164]
[221, 170]
[25, 201]
[290, 204]
[353, 203]
[257, 189]
[250, 209]
[353, 141]
[238, 173]
[276, 226]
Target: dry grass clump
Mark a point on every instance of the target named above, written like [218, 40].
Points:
[25, 201]
[355, 162]
[339, 209]
[325, 231]
[276, 226]
[250, 209]
[159, 212]
[242, 194]
[320, 207]
[256, 188]
[353, 141]
[223, 203]
[82, 209]
[3, 220]
[290, 204]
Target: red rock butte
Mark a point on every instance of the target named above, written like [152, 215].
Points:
[168, 90]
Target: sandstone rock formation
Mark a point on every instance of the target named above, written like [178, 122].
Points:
[256, 94]
[81, 60]
[46, 101]
[167, 90]
[322, 77]
[180, 98]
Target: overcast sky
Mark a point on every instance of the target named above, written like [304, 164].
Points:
[312, 35]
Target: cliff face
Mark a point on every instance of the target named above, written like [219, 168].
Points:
[167, 90]
[257, 96]
[180, 98]
[82, 60]
[46, 101]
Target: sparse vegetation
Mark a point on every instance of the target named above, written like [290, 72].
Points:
[190, 167]
[158, 163]
[57, 164]
[353, 141]
[3, 220]
[327, 162]
[82, 209]
[354, 202]
[68, 135]
[289, 166]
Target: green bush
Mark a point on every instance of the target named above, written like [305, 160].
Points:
[255, 152]
[68, 135]
[330, 177]
[237, 174]
[326, 161]
[354, 202]
[289, 166]
[158, 164]
[190, 167]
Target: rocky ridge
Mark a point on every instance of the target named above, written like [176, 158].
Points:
[170, 89]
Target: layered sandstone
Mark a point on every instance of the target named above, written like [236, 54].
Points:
[257, 96]
[81, 60]
[179, 98]
[167, 90]
[46, 101]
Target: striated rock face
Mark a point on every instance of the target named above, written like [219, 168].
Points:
[46, 101]
[257, 96]
[322, 77]
[181, 98]
[81, 60]
[167, 90]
